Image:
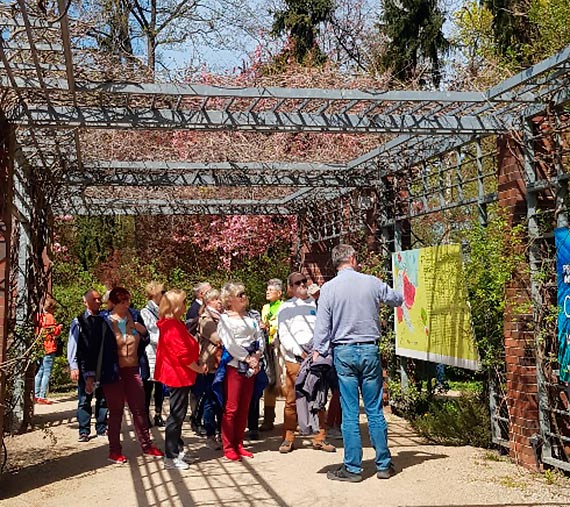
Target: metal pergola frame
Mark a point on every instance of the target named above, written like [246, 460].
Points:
[54, 97]
[433, 144]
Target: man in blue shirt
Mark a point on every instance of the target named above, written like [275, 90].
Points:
[92, 302]
[348, 324]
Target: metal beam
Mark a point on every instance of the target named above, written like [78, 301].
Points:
[92, 207]
[158, 174]
[129, 118]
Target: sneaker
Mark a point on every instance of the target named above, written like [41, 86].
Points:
[244, 453]
[175, 464]
[117, 458]
[83, 437]
[158, 421]
[286, 446]
[253, 435]
[323, 445]
[342, 474]
[213, 444]
[153, 451]
[232, 455]
[184, 456]
[43, 401]
[386, 474]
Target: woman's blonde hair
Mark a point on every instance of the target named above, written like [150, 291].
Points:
[229, 290]
[153, 288]
[210, 295]
[171, 304]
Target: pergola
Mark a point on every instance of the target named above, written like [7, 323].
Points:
[54, 90]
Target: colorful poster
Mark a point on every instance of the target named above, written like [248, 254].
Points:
[562, 238]
[434, 323]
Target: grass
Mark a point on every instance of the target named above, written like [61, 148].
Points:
[466, 386]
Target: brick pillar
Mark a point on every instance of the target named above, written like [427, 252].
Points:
[6, 168]
[316, 261]
[522, 392]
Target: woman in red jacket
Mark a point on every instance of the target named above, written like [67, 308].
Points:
[176, 367]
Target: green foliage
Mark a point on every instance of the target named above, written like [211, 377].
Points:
[513, 31]
[415, 35]
[300, 20]
[455, 421]
[408, 402]
[550, 17]
[59, 379]
[494, 256]
[470, 386]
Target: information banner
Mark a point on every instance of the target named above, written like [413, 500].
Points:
[434, 322]
[562, 237]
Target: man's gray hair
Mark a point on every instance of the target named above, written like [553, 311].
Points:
[199, 287]
[276, 284]
[341, 253]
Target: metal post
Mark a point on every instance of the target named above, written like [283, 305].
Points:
[534, 263]
[481, 205]
[404, 379]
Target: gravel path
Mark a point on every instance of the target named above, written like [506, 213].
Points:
[48, 467]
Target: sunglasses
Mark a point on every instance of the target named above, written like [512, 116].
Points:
[242, 295]
[299, 282]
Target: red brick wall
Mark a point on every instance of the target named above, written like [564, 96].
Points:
[5, 233]
[522, 390]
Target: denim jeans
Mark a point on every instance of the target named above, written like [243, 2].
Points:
[212, 412]
[359, 368]
[43, 375]
[84, 409]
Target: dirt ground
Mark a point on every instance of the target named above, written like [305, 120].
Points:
[48, 467]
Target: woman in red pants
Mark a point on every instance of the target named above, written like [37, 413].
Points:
[243, 339]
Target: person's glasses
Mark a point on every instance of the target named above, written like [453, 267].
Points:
[301, 282]
[242, 295]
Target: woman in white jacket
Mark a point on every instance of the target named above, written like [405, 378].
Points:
[149, 313]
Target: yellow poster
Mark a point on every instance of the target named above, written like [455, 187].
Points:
[434, 322]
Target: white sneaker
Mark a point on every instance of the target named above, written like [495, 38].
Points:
[184, 456]
[213, 444]
[175, 464]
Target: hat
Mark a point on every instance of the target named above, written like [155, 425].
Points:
[295, 277]
[313, 289]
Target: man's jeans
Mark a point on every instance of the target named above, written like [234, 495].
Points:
[43, 375]
[84, 409]
[358, 366]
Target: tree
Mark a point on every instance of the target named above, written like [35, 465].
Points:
[300, 20]
[414, 32]
[512, 28]
[119, 26]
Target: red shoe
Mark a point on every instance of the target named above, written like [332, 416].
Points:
[117, 458]
[153, 451]
[43, 401]
[232, 455]
[244, 453]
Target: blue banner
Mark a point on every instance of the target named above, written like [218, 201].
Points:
[562, 236]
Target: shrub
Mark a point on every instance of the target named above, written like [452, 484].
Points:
[455, 421]
[59, 380]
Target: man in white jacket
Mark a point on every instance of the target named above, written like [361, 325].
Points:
[296, 322]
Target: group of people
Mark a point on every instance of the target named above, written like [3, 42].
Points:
[220, 358]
